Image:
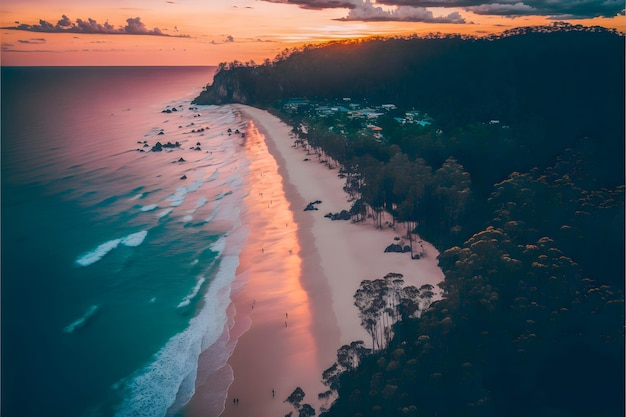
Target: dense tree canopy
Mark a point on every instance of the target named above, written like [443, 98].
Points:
[527, 211]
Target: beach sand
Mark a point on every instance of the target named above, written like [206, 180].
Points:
[300, 271]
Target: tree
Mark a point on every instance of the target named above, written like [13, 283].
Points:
[296, 397]
[370, 304]
[306, 411]
[409, 302]
[452, 184]
[413, 207]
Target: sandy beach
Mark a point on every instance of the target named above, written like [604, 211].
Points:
[294, 307]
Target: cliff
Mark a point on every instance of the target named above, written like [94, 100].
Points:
[224, 89]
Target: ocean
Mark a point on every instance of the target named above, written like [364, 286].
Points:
[117, 261]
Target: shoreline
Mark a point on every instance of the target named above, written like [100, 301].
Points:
[292, 335]
[349, 252]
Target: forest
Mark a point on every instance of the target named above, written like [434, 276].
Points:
[528, 217]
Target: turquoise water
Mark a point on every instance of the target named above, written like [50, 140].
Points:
[115, 271]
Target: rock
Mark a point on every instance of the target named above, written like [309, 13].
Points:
[174, 109]
[406, 248]
[166, 111]
[197, 148]
[157, 147]
[181, 159]
[342, 215]
[161, 133]
[394, 248]
[310, 206]
[184, 177]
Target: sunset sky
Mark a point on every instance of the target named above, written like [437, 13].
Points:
[207, 32]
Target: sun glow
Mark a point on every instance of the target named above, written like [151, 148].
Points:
[216, 31]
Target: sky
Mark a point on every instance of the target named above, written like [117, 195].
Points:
[207, 32]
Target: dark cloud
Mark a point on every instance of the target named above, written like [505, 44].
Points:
[411, 10]
[566, 9]
[32, 41]
[134, 26]
[366, 11]
[320, 4]
[229, 38]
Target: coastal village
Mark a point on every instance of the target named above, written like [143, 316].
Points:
[364, 117]
[364, 113]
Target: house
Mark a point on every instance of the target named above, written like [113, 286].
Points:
[400, 120]
[370, 113]
[294, 103]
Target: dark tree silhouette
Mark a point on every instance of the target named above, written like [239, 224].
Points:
[296, 397]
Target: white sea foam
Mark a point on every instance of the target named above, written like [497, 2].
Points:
[135, 239]
[222, 195]
[219, 245]
[192, 294]
[98, 253]
[213, 213]
[188, 218]
[167, 382]
[149, 207]
[236, 181]
[178, 197]
[77, 324]
[214, 175]
[165, 212]
[195, 185]
[201, 202]
[91, 257]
